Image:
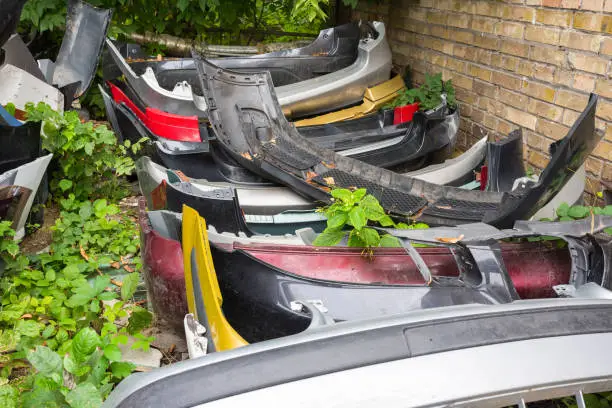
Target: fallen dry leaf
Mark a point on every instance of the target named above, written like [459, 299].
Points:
[83, 254]
[127, 268]
[26, 316]
[452, 240]
[310, 175]
[115, 265]
[246, 155]
[329, 181]
[329, 165]
[116, 282]
[444, 207]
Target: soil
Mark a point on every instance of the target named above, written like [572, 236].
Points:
[39, 240]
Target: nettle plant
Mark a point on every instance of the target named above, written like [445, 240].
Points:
[90, 160]
[565, 212]
[428, 95]
[349, 215]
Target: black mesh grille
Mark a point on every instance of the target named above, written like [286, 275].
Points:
[467, 210]
[290, 154]
[392, 200]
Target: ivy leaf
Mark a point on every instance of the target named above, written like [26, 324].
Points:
[578, 211]
[140, 319]
[112, 352]
[85, 395]
[85, 343]
[130, 283]
[562, 210]
[329, 238]
[337, 221]
[65, 184]
[28, 328]
[389, 241]
[45, 360]
[8, 396]
[122, 369]
[357, 218]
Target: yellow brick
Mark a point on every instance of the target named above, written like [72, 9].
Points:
[552, 130]
[550, 55]
[539, 91]
[487, 8]
[593, 22]
[515, 99]
[580, 41]
[545, 110]
[588, 63]
[485, 88]
[603, 149]
[506, 80]
[463, 36]
[584, 82]
[480, 72]
[520, 118]
[491, 43]
[572, 100]
[459, 20]
[546, 35]
[563, 77]
[513, 47]
[483, 24]
[518, 13]
[594, 5]
[543, 72]
[606, 45]
[560, 18]
[538, 159]
[508, 29]
[436, 17]
[604, 110]
[604, 87]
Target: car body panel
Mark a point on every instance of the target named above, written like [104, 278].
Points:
[204, 297]
[465, 356]
[328, 92]
[76, 62]
[20, 87]
[248, 118]
[333, 49]
[374, 99]
[28, 176]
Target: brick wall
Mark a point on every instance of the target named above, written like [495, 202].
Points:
[514, 63]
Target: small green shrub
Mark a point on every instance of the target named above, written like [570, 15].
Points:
[428, 95]
[90, 161]
[350, 214]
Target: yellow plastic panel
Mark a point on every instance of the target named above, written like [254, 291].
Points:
[195, 244]
[374, 99]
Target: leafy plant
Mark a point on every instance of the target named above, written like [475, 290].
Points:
[565, 212]
[428, 95]
[350, 214]
[90, 160]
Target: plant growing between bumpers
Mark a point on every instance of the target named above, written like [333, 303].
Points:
[349, 215]
[428, 95]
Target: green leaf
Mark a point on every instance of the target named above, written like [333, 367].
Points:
[370, 237]
[45, 360]
[607, 210]
[130, 283]
[112, 352]
[562, 210]
[357, 218]
[85, 395]
[354, 240]
[28, 328]
[65, 184]
[329, 238]
[342, 194]
[85, 343]
[359, 194]
[139, 319]
[122, 369]
[9, 396]
[337, 221]
[389, 241]
[578, 211]
[386, 221]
